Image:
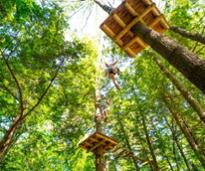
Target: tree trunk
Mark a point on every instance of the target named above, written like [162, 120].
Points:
[187, 133]
[193, 36]
[180, 57]
[100, 163]
[155, 164]
[178, 145]
[8, 137]
[127, 142]
[162, 147]
[192, 102]
[170, 165]
[141, 140]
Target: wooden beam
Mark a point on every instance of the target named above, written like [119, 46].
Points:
[129, 26]
[130, 52]
[108, 30]
[97, 145]
[119, 20]
[136, 39]
[156, 21]
[106, 138]
[130, 9]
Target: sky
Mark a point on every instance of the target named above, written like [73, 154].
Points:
[89, 25]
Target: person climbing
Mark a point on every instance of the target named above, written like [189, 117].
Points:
[111, 72]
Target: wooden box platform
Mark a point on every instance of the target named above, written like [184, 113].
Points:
[118, 25]
[97, 140]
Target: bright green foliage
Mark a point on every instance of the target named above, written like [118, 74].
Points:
[32, 37]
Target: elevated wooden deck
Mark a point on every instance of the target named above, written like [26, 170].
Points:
[118, 25]
[98, 140]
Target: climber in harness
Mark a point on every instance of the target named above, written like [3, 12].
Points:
[111, 72]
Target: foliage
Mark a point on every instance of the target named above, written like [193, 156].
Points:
[32, 40]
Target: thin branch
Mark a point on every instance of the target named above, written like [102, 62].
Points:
[45, 92]
[200, 49]
[197, 43]
[9, 91]
[15, 80]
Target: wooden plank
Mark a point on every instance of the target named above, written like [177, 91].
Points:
[120, 42]
[119, 20]
[156, 12]
[108, 30]
[93, 139]
[165, 23]
[147, 2]
[129, 26]
[106, 138]
[136, 39]
[156, 21]
[130, 52]
[130, 9]
[97, 145]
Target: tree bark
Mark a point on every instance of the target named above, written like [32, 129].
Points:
[175, 139]
[191, 100]
[163, 147]
[8, 138]
[178, 145]
[193, 36]
[155, 164]
[180, 57]
[187, 133]
[99, 160]
[127, 142]
[141, 140]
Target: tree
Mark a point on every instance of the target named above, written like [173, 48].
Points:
[188, 63]
[24, 54]
[193, 36]
[187, 132]
[193, 102]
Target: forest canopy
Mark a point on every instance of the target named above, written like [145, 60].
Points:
[58, 86]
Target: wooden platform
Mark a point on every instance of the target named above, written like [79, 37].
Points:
[97, 140]
[118, 25]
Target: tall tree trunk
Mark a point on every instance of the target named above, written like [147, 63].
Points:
[100, 163]
[175, 139]
[127, 142]
[179, 56]
[191, 100]
[170, 165]
[175, 155]
[162, 147]
[155, 164]
[187, 133]
[141, 140]
[193, 36]
[8, 137]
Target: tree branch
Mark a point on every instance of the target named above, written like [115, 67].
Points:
[9, 91]
[15, 80]
[45, 92]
